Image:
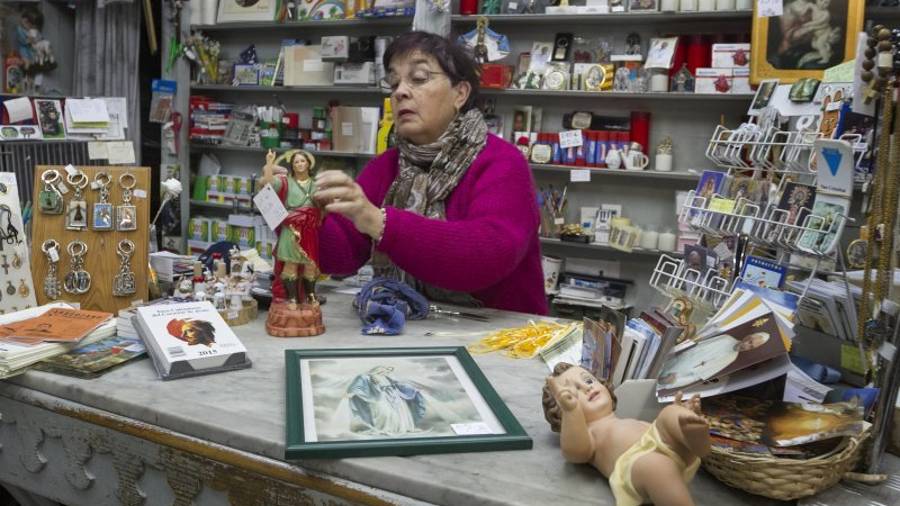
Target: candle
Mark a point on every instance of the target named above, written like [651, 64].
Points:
[649, 239]
[666, 241]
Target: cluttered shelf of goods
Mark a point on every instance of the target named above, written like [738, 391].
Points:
[636, 251]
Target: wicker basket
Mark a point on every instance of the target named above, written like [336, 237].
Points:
[785, 479]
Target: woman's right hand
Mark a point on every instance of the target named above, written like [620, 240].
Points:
[270, 158]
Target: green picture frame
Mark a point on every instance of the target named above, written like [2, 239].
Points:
[432, 381]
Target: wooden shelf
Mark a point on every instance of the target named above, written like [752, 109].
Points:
[549, 241]
[400, 21]
[199, 147]
[727, 97]
[631, 18]
[351, 89]
[337, 88]
[683, 176]
[220, 205]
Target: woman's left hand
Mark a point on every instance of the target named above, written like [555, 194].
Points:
[339, 193]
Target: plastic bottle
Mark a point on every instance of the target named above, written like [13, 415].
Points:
[384, 130]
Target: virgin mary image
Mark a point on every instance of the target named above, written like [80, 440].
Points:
[382, 405]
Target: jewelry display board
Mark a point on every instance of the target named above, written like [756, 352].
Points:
[111, 272]
[16, 284]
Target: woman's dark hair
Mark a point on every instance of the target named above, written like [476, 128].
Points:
[34, 17]
[455, 60]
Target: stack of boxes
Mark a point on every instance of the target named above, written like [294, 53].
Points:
[730, 71]
[247, 231]
[227, 189]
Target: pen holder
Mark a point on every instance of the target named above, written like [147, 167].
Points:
[551, 225]
[269, 134]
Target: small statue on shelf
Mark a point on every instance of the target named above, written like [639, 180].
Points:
[683, 80]
[644, 462]
[297, 250]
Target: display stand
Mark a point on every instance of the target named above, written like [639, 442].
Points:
[101, 260]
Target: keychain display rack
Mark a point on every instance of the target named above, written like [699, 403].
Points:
[764, 153]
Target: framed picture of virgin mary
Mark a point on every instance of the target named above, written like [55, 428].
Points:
[808, 37]
[393, 401]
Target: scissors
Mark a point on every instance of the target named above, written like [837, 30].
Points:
[471, 316]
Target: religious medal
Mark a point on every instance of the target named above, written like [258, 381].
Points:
[101, 218]
[126, 214]
[78, 280]
[123, 283]
[16, 261]
[23, 288]
[76, 210]
[49, 198]
[51, 280]
[10, 288]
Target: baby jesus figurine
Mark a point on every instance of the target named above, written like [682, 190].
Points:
[644, 462]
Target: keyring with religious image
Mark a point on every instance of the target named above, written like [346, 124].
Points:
[126, 213]
[76, 209]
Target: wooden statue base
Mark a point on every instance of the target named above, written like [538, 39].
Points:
[304, 320]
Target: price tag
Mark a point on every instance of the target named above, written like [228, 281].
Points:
[721, 250]
[471, 429]
[769, 8]
[141, 194]
[95, 185]
[54, 255]
[570, 139]
[347, 128]
[580, 176]
[512, 6]
[62, 187]
[559, 221]
[232, 314]
[618, 8]
[270, 206]
[887, 351]
[71, 170]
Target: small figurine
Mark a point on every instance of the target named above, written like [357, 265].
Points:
[184, 289]
[297, 250]
[633, 43]
[664, 147]
[644, 462]
[622, 79]
[34, 50]
[683, 80]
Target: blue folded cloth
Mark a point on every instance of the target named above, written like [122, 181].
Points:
[819, 372]
[384, 305]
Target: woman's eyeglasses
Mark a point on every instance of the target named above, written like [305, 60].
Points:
[415, 79]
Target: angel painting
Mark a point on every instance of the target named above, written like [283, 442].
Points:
[368, 398]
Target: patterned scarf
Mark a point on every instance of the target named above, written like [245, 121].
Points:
[427, 175]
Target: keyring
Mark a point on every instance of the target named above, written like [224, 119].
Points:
[78, 180]
[50, 176]
[81, 248]
[126, 247]
[102, 178]
[48, 245]
[123, 177]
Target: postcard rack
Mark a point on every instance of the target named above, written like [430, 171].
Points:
[772, 150]
[672, 278]
[816, 236]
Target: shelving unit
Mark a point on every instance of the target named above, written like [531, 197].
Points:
[549, 241]
[648, 196]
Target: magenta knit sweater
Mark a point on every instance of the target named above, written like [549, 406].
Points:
[488, 246]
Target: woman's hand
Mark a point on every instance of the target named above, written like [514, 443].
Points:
[268, 168]
[339, 193]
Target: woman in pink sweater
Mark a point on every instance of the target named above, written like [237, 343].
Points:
[451, 209]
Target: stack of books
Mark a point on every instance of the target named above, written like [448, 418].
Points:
[16, 357]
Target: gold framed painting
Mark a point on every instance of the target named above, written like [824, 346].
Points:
[807, 38]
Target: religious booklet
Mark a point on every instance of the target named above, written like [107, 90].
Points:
[94, 359]
[65, 325]
[189, 339]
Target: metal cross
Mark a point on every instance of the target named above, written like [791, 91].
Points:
[5, 265]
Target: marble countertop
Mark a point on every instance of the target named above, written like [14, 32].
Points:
[246, 410]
